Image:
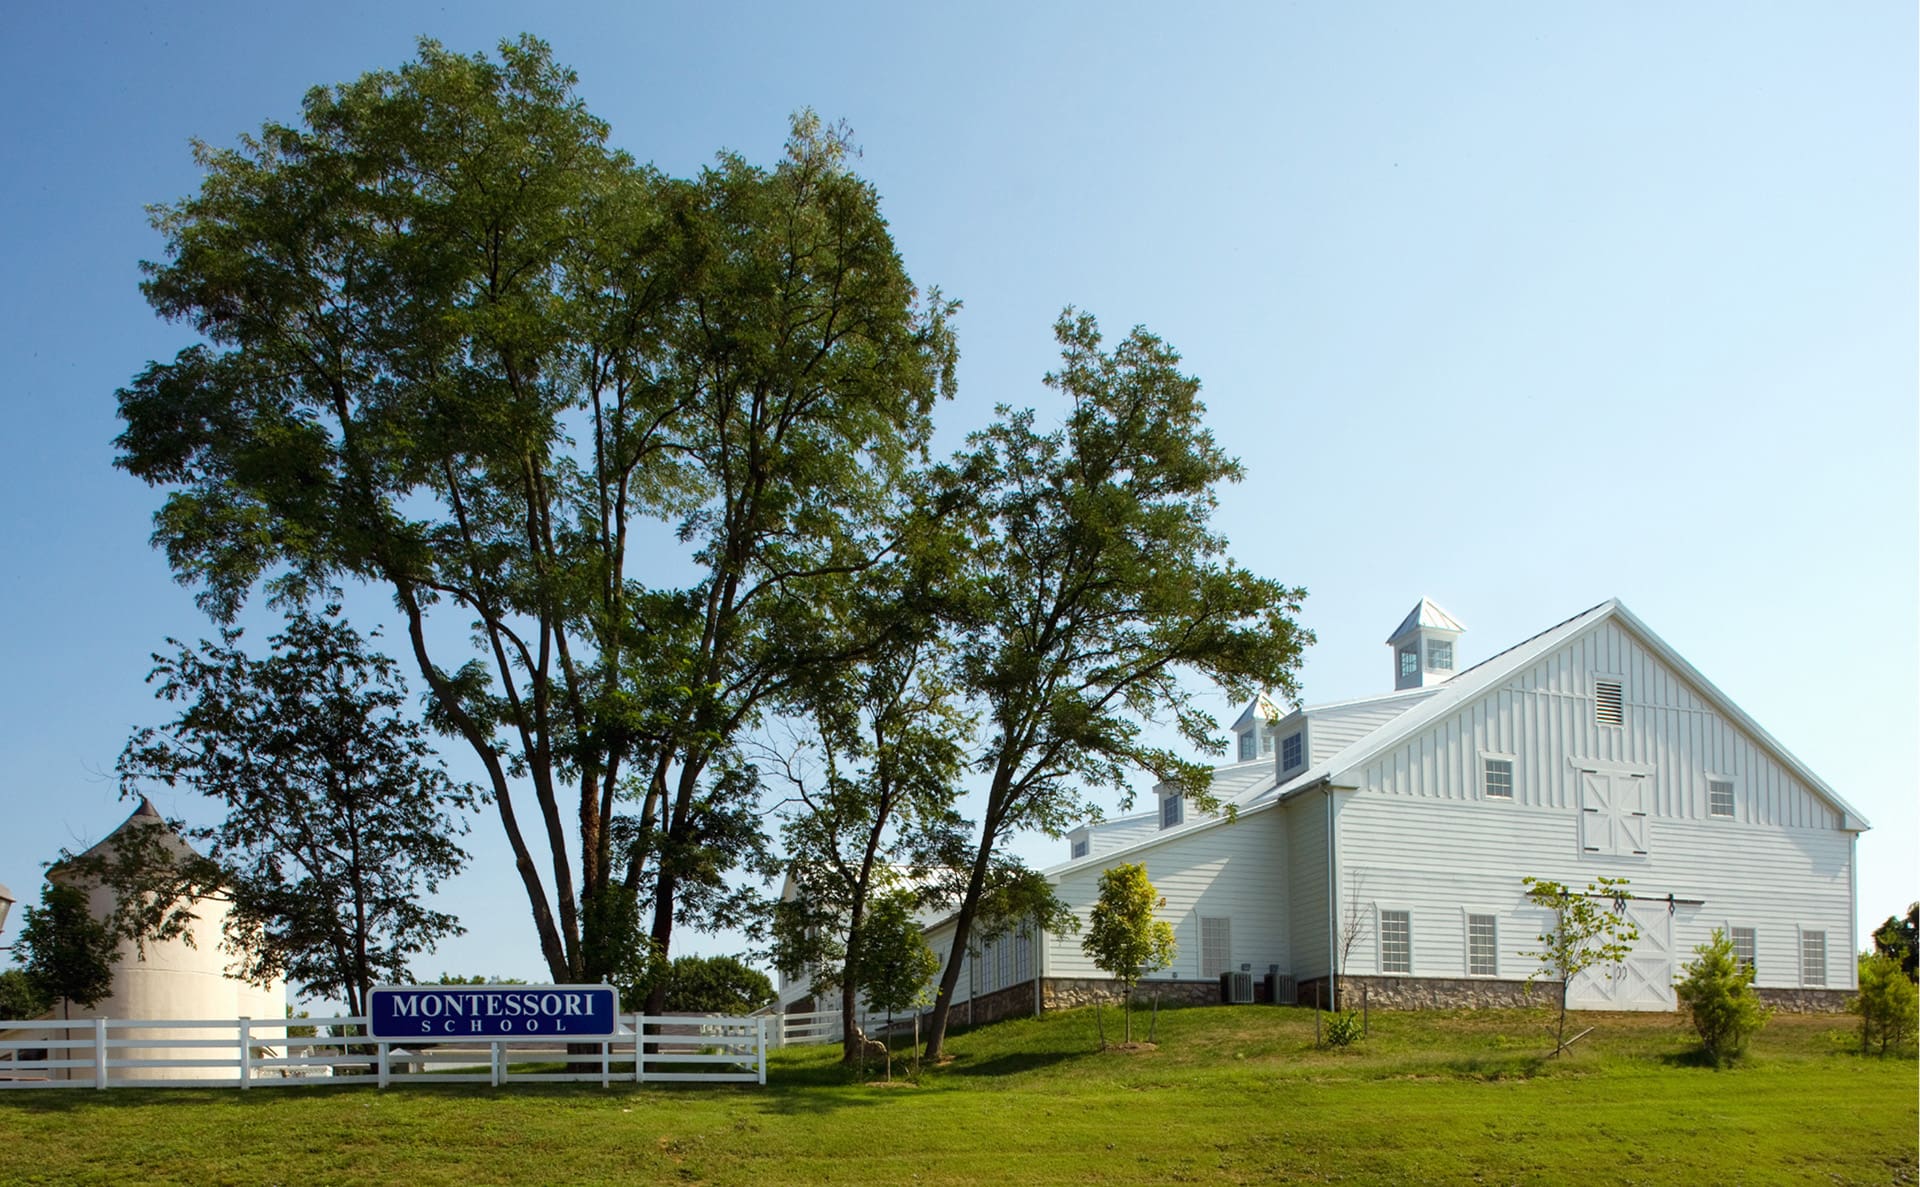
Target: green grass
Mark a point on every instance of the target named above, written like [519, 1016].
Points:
[1232, 1095]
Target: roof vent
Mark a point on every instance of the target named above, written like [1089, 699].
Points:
[1608, 706]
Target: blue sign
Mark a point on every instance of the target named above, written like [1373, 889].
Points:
[448, 1012]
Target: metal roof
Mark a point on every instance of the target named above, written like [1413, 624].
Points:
[1425, 614]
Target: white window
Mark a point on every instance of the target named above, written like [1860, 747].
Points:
[1246, 746]
[1172, 810]
[1440, 655]
[1396, 942]
[1293, 750]
[1216, 945]
[1813, 958]
[1609, 705]
[1410, 660]
[1483, 946]
[1081, 846]
[1743, 948]
[1720, 797]
[1499, 778]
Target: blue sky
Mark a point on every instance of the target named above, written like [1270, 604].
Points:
[1519, 307]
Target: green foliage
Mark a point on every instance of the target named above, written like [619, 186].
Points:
[339, 819]
[451, 345]
[1590, 929]
[1344, 1028]
[1718, 992]
[715, 985]
[893, 963]
[1123, 938]
[20, 998]
[69, 954]
[1886, 1004]
[1897, 938]
[1093, 589]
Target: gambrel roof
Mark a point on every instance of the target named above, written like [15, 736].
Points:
[1408, 712]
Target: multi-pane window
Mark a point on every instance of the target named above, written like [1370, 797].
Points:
[1440, 654]
[1719, 797]
[1216, 945]
[1081, 846]
[1813, 958]
[1396, 942]
[1246, 746]
[1499, 783]
[1172, 810]
[1293, 751]
[1483, 947]
[1410, 660]
[1743, 947]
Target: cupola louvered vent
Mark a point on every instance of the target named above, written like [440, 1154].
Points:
[1608, 707]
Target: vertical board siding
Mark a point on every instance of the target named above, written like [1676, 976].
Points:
[1544, 716]
[1232, 870]
[1306, 884]
[1773, 880]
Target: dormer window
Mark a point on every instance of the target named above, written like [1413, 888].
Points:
[1440, 655]
[1293, 750]
[1080, 848]
[1172, 809]
[1409, 661]
[1246, 747]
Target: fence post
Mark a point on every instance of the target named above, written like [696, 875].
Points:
[639, 1048]
[761, 1031]
[246, 1052]
[606, 1062]
[499, 1051]
[381, 1054]
[99, 1052]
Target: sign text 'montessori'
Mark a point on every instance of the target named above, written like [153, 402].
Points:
[492, 1011]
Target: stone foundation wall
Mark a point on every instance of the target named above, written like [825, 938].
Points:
[1015, 1001]
[1805, 1001]
[1441, 993]
[1064, 993]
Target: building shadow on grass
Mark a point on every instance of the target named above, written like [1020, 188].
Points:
[1008, 1064]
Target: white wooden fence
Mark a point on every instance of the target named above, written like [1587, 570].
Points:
[823, 1026]
[255, 1053]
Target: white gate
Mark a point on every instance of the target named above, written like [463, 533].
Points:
[1644, 980]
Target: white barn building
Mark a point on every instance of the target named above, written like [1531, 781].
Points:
[1383, 840]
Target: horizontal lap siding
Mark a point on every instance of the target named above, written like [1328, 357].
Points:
[1545, 715]
[1440, 860]
[1233, 870]
[1331, 731]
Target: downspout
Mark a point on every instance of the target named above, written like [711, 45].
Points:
[1333, 908]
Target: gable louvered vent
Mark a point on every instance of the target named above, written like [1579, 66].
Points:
[1608, 708]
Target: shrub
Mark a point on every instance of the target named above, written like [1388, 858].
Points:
[1343, 1027]
[1886, 1004]
[1718, 991]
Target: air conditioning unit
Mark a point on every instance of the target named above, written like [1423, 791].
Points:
[1236, 989]
[1281, 990]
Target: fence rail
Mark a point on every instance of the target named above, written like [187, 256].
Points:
[248, 1053]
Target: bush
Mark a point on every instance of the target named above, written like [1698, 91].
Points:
[1886, 1004]
[1718, 990]
[1343, 1027]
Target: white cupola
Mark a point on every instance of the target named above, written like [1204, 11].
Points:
[1251, 737]
[1423, 651]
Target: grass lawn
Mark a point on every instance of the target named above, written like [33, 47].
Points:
[1232, 1095]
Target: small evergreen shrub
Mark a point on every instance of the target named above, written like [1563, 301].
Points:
[1343, 1028]
[1718, 992]
[1886, 1004]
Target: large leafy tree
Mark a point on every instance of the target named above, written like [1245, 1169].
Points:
[338, 818]
[872, 811]
[1097, 589]
[617, 445]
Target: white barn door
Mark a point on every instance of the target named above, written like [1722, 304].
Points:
[1644, 981]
